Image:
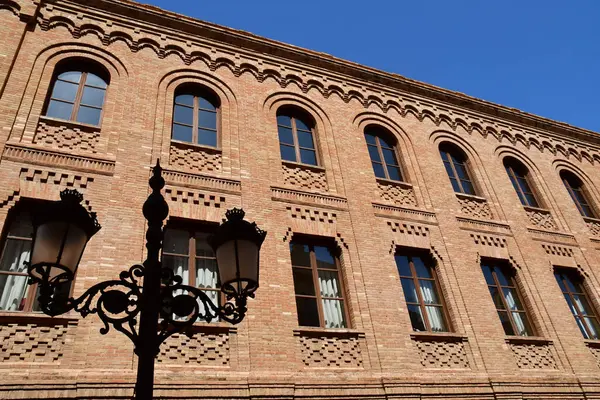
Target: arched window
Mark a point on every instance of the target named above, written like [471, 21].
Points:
[578, 193]
[383, 152]
[296, 136]
[520, 179]
[572, 285]
[196, 116]
[455, 162]
[78, 91]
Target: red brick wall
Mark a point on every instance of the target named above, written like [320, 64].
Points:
[266, 356]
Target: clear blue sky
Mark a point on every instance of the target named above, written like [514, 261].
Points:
[540, 56]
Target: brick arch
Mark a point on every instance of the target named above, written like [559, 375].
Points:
[564, 165]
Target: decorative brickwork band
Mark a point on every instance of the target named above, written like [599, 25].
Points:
[533, 355]
[595, 350]
[442, 352]
[64, 136]
[593, 225]
[330, 349]
[211, 349]
[397, 193]
[474, 206]
[541, 218]
[305, 177]
[193, 158]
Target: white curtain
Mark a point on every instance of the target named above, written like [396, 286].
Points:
[584, 308]
[206, 278]
[333, 310]
[14, 287]
[179, 266]
[436, 318]
[517, 317]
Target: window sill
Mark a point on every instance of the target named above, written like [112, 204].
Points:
[595, 343]
[209, 149]
[404, 185]
[69, 123]
[315, 168]
[470, 197]
[439, 336]
[528, 340]
[536, 209]
[21, 317]
[312, 331]
[592, 220]
[213, 327]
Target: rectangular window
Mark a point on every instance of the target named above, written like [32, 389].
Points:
[187, 253]
[319, 293]
[571, 285]
[507, 298]
[421, 292]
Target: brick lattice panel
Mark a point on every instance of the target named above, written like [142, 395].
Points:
[67, 138]
[206, 349]
[475, 207]
[194, 159]
[593, 226]
[304, 177]
[32, 342]
[533, 356]
[331, 351]
[542, 219]
[442, 354]
[596, 353]
[397, 194]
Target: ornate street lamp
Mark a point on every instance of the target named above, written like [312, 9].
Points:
[165, 306]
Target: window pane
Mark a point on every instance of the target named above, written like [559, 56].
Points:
[487, 273]
[15, 255]
[374, 153]
[93, 96]
[559, 280]
[203, 249]
[423, 271]
[592, 326]
[571, 305]
[428, 292]
[378, 170]
[186, 99]
[508, 329]
[207, 119]
[179, 265]
[64, 91]
[572, 287]
[183, 115]
[333, 313]
[581, 325]
[305, 139]
[436, 319]
[288, 153]
[410, 292]
[301, 125]
[530, 199]
[468, 187]
[206, 274]
[59, 109]
[285, 135]
[461, 171]
[502, 278]
[394, 173]
[324, 257]
[308, 314]
[88, 115]
[583, 304]
[204, 103]
[308, 157]
[284, 120]
[416, 318]
[300, 255]
[94, 80]
[587, 211]
[449, 170]
[13, 289]
[61, 294]
[512, 300]
[183, 133]
[303, 281]
[207, 138]
[390, 157]
[521, 323]
[176, 241]
[370, 138]
[71, 76]
[455, 186]
[496, 297]
[445, 156]
[403, 266]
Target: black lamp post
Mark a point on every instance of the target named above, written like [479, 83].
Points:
[165, 306]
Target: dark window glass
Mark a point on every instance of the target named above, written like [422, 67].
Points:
[519, 177]
[575, 294]
[507, 299]
[200, 112]
[77, 96]
[421, 293]
[298, 137]
[577, 192]
[383, 154]
[456, 167]
[319, 292]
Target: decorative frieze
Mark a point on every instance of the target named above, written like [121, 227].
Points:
[532, 355]
[593, 225]
[556, 250]
[194, 158]
[470, 224]
[67, 136]
[60, 179]
[330, 349]
[541, 218]
[199, 181]
[210, 348]
[595, 350]
[303, 176]
[287, 195]
[397, 193]
[442, 352]
[474, 206]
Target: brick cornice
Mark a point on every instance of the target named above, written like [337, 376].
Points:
[245, 40]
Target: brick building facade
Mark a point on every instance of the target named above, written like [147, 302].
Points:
[378, 184]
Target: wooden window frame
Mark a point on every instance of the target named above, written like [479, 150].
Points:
[315, 275]
[32, 290]
[293, 116]
[377, 135]
[450, 150]
[197, 94]
[415, 278]
[511, 168]
[579, 281]
[78, 96]
[511, 275]
[566, 177]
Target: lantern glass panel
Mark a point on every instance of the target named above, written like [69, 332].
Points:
[49, 241]
[248, 261]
